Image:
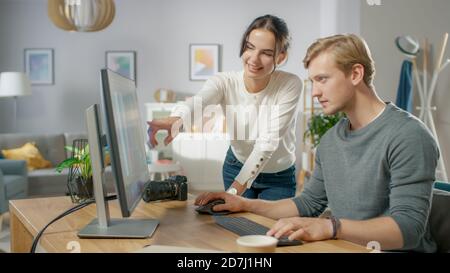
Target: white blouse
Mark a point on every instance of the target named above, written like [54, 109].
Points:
[262, 132]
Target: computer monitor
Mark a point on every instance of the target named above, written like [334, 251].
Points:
[124, 134]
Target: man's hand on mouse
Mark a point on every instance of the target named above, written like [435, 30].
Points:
[233, 203]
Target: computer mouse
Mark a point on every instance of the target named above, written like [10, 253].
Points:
[208, 208]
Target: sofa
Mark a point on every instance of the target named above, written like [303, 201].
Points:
[48, 182]
[13, 182]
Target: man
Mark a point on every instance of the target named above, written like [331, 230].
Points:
[374, 169]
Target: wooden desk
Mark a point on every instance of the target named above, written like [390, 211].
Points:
[179, 225]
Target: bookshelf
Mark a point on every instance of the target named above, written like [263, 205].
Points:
[309, 107]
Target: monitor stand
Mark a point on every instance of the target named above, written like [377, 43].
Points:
[103, 226]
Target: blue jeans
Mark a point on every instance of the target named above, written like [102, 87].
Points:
[268, 186]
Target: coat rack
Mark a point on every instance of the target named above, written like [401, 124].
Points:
[410, 47]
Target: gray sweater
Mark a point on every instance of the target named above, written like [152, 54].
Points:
[386, 168]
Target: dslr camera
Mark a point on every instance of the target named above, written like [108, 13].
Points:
[174, 188]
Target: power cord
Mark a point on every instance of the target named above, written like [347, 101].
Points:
[67, 212]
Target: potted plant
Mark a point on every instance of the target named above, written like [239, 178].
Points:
[80, 182]
[318, 125]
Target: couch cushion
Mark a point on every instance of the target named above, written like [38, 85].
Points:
[48, 182]
[70, 137]
[30, 154]
[51, 146]
[48, 172]
[15, 184]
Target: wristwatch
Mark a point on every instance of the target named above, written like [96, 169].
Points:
[232, 191]
[336, 223]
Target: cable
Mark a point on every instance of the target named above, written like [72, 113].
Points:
[67, 212]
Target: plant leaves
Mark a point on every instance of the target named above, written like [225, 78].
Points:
[67, 164]
[319, 124]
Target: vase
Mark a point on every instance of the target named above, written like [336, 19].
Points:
[81, 189]
[85, 188]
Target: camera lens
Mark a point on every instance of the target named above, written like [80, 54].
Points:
[159, 190]
[172, 188]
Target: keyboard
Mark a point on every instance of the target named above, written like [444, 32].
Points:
[243, 226]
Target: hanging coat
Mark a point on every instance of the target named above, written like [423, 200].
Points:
[404, 91]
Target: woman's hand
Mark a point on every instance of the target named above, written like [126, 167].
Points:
[232, 203]
[302, 228]
[171, 124]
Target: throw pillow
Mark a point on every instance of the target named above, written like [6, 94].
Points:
[30, 154]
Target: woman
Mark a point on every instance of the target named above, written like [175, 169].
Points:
[262, 165]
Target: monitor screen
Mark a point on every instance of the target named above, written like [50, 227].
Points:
[125, 136]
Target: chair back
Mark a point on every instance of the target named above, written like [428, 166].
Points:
[439, 220]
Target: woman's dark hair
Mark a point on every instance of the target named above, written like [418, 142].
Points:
[275, 25]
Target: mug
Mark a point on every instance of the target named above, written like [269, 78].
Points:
[256, 244]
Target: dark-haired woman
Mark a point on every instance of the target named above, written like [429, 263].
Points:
[261, 164]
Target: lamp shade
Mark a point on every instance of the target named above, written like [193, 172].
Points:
[14, 84]
[81, 15]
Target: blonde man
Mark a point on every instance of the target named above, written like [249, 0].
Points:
[374, 169]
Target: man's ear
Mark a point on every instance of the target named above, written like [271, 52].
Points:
[357, 74]
[281, 57]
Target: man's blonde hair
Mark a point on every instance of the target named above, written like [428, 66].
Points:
[348, 50]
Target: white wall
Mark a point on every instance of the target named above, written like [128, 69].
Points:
[339, 16]
[159, 30]
[380, 25]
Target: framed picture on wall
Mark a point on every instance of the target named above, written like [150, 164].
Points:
[203, 61]
[39, 65]
[122, 62]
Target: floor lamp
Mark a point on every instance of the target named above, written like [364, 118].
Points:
[14, 84]
[410, 47]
